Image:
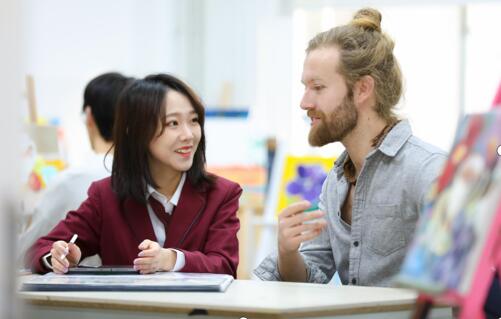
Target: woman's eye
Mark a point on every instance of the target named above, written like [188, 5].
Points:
[195, 120]
[318, 88]
[171, 123]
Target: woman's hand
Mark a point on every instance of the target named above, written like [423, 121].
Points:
[64, 255]
[153, 258]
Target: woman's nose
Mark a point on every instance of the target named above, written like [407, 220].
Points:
[187, 132]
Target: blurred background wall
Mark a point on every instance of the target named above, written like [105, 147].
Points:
[248, 54]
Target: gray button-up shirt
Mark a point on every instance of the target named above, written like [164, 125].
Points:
[389, 196]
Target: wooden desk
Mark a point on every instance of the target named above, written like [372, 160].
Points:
[243, 299]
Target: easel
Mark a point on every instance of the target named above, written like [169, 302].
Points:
[422, 308]
[30, 94]
[44, 136]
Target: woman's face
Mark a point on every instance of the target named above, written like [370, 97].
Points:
[174, 149]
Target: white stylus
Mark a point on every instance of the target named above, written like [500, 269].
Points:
[72, 241]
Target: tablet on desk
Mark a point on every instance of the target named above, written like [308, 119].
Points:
[102, 270]
[159, 281]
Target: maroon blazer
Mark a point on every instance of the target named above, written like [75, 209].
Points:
[203, 226]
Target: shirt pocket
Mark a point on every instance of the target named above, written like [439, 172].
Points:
[386, 234]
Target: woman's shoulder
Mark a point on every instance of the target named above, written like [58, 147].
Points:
[221, 184]
[101, 186]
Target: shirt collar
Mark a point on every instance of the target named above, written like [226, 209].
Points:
[391, 144]
[396, 138]
[162, 199]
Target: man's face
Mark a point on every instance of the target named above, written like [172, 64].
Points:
[327, 100]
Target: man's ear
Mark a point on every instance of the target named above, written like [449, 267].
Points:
[363, 89]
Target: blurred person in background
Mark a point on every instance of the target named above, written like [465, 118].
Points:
[69, 189]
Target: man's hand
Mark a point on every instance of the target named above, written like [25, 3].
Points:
[64, 255]
[153, 258]
[295, 226]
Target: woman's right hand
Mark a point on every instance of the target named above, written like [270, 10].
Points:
[64, 255]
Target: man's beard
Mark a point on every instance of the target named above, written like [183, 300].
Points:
[335, 126]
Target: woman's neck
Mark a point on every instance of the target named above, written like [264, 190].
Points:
[166, 180]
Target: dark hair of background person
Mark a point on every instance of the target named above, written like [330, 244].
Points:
[141, 107]
[101, 95]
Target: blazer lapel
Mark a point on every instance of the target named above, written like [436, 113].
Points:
[136, 215]
[185, 215]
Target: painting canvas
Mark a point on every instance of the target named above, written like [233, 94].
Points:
[302, 178]
[456, 221]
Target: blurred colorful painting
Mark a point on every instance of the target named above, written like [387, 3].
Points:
[302, 178]
[457, 219]
[252, 178]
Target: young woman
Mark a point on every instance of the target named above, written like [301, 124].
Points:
[160, 210]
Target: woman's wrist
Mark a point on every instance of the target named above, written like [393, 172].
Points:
[170, 259]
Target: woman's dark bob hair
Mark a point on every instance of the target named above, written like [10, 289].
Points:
[140, 109]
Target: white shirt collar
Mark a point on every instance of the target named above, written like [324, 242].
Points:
[167, 203]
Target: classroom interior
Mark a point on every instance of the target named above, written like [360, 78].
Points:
[244, 59]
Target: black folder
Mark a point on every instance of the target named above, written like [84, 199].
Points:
[102, 270]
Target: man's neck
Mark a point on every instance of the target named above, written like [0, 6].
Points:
[100, 146]
[358, 142]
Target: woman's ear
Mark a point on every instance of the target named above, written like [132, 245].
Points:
[363, 89]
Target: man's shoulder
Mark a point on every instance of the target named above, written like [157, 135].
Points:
[416, 144]
[421, 159]
[416, 152]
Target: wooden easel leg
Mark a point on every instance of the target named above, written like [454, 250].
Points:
[422, 309]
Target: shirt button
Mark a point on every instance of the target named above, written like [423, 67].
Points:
[354, 281]
[355, 243]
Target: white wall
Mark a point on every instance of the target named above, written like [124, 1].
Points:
[211, 44]
[428, 48]
[229, 57]
[249, 54]
[70, 42]
[483, 53]
[246, 64]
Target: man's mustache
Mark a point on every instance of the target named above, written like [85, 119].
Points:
[316, 114]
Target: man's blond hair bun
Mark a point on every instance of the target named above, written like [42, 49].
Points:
[368, 19]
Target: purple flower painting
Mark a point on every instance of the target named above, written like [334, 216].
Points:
[308, 182]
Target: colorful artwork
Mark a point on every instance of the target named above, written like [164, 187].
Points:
[252, 178]
[456, 222]
[43, 172]
[302, 178]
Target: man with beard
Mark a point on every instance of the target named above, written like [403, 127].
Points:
[372, 198]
